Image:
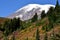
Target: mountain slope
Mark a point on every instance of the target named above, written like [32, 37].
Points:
[28, 11]
[2, 19]
[30, 32]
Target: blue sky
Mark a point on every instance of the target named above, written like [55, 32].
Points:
[8, 7]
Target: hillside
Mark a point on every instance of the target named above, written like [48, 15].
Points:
[2, 19]
[30, 32]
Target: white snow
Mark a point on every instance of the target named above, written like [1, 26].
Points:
[28, 11]
[19, 16]
[31, 6]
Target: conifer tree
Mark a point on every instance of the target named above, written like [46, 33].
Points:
[57, 10]
[51, 16]
[15, 23]
[46, 30]
[6, 27]
[43, 14]
[52, 19]
[11, 25]
[57, 6]
[34, 17]
[37, 34]
[1, 27]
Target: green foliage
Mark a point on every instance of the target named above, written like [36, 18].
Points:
[1, 28]
[45, 37]
[44, 27]
[57, 11]
[38, 23]
[15, 23]
[43, 14]
[34, 18]
[54, 15]
[57, 7]
[46, 30]
[47, 27]
[25, 25]
[0, 25]
[37, 34]
[6, 27]
[51, 15]
[5, 38]
[10, 25]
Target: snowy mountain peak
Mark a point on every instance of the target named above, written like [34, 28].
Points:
[31, 6]
[28, 11]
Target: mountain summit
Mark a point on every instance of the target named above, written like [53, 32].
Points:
[28, 11]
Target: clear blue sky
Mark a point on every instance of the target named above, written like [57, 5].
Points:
[8, 7]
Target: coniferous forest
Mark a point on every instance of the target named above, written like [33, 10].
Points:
[46, 28]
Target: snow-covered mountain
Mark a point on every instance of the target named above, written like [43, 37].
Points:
[28, 11]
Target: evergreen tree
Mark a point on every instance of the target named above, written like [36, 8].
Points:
[11, 25]
[15, 23]
[37, 34]
[43, 14]
[52, 19]
[46, 30]
[1, 28]
[34, 17]
[6, 31]
[57, 6]
[57, 11]
[6, 27]
[51, 16]
[18, 22]
[0, 25]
